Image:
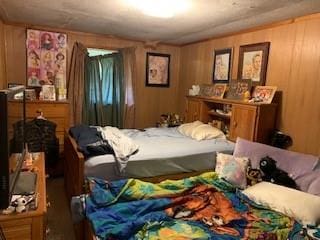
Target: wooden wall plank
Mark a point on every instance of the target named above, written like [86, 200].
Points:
[294, 66]
[3, 80]
[150, 101]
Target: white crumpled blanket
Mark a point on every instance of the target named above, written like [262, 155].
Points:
[122, 145]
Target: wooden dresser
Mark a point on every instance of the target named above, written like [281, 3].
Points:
[55, 111]
[251, 121]
[31, 224]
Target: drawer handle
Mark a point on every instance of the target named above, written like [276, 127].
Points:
[235, 124]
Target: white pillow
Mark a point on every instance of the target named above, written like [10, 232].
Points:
[303, 207]
[187, 128]
[205, 131]
[233, 169]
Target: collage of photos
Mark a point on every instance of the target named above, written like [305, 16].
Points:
[46, 59]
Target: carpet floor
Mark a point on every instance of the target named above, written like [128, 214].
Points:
[59, 220]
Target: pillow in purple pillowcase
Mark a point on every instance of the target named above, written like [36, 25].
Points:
[295, 164]
[310, 182]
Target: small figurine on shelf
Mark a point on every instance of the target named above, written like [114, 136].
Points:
[246, 96]
[21, 204]
[194, 91]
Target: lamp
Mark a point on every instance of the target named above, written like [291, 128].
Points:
[161, 8]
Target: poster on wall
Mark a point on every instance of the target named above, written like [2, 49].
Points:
[46, 58]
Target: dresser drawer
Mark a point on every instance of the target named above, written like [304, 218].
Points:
[48, 110]
[17, 229]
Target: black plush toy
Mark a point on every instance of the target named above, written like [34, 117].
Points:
[275, 175]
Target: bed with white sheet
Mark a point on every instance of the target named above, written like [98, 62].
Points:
[161, 151]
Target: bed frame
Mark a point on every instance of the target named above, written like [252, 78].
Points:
[74, 179]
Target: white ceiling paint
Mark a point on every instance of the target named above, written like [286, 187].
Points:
[205, 19]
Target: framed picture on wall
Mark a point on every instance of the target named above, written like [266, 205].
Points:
[158, 70]
[222, 65]
[253, 60]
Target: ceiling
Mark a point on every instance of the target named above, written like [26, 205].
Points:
[205, 19]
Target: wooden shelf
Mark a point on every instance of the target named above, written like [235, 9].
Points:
[228, 101]
[251, 121]
[214, 113]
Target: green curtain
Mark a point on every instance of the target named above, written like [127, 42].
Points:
[104, 91]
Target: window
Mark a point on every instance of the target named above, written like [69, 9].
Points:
[107, 93]
[99, 52]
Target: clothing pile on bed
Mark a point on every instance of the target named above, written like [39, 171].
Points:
[90, 141]
[94, 141]
[105, 140]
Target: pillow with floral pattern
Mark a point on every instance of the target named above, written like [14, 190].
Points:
[232, 169]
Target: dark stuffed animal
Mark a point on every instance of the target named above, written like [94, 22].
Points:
[275, 175]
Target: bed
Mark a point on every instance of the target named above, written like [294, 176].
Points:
[164, 153]
[207, 206]
[200, 207]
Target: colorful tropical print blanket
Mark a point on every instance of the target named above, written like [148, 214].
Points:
[201, 207]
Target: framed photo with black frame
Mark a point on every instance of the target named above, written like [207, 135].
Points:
[222, 65]
[253, 60]
[158, 70]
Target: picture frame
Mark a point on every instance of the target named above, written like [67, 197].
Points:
[206, 90]
[253, 61]
[219, 90]
[48, 92]
[158, 70]
[237, 88]
[30, 94]
[264, 94]
[222, 65]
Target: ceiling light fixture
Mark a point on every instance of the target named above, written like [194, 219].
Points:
[161, 8]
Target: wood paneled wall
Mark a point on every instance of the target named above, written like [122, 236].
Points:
[3, 80]
[150, 101]
[294, 66]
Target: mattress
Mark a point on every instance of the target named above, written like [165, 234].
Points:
[162, 151]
